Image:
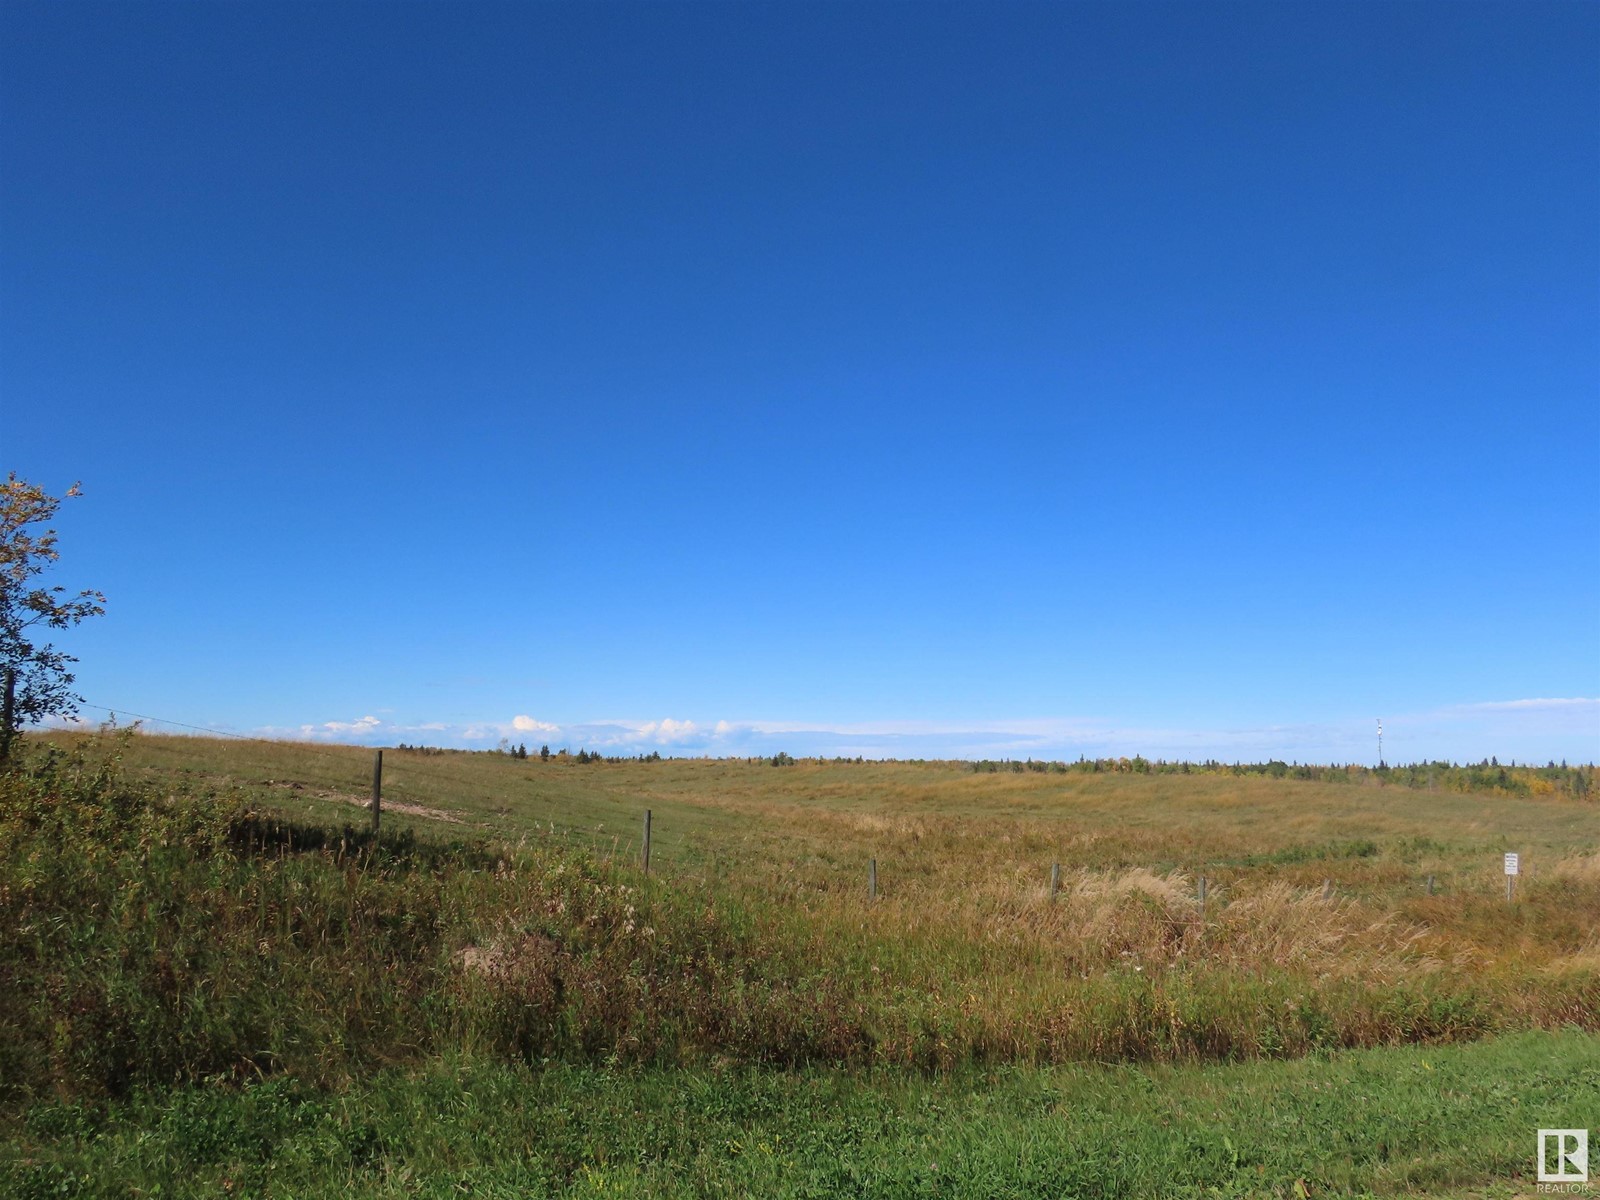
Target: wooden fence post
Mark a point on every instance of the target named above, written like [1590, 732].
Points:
[872, 879]
[1430, 885]
[1327, 889]
[646, 854]
[377, 787]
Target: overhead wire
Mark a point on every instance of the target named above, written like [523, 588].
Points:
[410, 765]
[309, 747]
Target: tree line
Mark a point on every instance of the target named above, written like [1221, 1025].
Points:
[1489, 775]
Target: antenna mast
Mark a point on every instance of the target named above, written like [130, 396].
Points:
[1380, 742]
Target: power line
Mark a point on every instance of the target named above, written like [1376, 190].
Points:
[569, 832]
[304, 746]
[314, 747]
[409, 763]
[243, 737]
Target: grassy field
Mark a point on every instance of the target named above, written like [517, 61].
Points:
[965, 934]
[199, 932]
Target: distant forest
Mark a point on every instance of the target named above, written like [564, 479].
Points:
[1490, 775]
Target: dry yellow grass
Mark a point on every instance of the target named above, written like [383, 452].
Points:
[965, 935]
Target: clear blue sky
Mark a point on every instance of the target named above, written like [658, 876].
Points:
[901, 379]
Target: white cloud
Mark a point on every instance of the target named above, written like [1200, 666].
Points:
[1529, 730]
[667, 732]
[359, 726]
[1574, 703]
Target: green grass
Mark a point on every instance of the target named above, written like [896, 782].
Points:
[156, 939]
[213, 974]
[1392, 1122]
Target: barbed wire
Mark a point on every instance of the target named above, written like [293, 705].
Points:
[411, 781]
[324, 752]
[413, 777]
[127, 712]
[412, 772]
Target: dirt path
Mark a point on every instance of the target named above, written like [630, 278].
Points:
[396, 806]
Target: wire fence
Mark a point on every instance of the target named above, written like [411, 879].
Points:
[285, 773]
[416, 783]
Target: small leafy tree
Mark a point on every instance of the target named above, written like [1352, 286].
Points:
[43, 681]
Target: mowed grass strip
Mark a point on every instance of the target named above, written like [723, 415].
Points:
[1409, 1121]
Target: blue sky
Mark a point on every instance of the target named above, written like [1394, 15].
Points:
[1195, 380]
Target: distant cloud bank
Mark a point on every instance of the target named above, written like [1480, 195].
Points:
[1521, 730]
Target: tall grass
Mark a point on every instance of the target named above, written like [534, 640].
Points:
[155, 939]
[152, 935]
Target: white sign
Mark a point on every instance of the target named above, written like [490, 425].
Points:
[1572, 1156]
[1511, 864]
